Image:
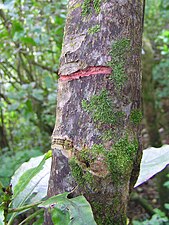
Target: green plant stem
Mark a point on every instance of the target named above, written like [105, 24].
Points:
[23, 207]
[143, 203]
[31, 216]
[20, 209]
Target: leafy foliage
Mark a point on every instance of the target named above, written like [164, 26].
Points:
[76, 211]
[156, 30]
[156, 17]
[30, 43]
[29, 180]
[11, 161]
[159, 218]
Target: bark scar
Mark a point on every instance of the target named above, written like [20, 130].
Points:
[92, 70]
[64, 144]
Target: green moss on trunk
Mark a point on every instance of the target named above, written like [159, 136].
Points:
[88, 5]
[118, 53]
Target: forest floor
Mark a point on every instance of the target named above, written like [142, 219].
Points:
[147, 191]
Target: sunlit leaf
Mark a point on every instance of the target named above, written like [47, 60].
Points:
[8, 4]
[16, 27]
[153, 161]
[31, 179]
[1, 216]
[28, 40]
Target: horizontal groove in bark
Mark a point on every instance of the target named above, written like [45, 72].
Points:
[87, 72]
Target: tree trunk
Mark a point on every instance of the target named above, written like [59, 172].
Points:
[3, 136]
[96, 140]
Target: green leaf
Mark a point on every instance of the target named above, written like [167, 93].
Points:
[38, 94]
[153, 161]
[48, 82]
[60, 198]
[166, 206]
[13, 106]
[16, 27]
[26, 178]
[79, 210]
[31, 179]
[8, 4]
[1, 216]
[60, 216]
[3, 34]
[28, 40]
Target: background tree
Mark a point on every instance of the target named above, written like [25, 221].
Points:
[96, 141]
[155, 83]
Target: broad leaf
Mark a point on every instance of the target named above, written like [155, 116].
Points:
[60, 216]
[153, 161]
[8, 4]
[31, 179]
[38, 94]
[1, 216]
[28, 40]
[78, 208]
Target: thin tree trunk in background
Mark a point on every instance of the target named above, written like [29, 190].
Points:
[96, 140]
[150, 115]
[3, 135]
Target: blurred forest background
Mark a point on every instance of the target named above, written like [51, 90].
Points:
[31, 35]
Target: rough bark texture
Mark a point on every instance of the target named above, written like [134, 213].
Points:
[96, 137]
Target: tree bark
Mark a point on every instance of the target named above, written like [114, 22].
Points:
[3, 136]
[96, 140]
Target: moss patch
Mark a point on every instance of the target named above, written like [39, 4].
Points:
[87, 7]
[97, 4]
[107, 135]
[118, 53]
[120, 159]
[106, 215]
[101, 109]
[136, 116]
[75, 6]
[87, 156]
[94, 29]
[82, 177]
[77, 171]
